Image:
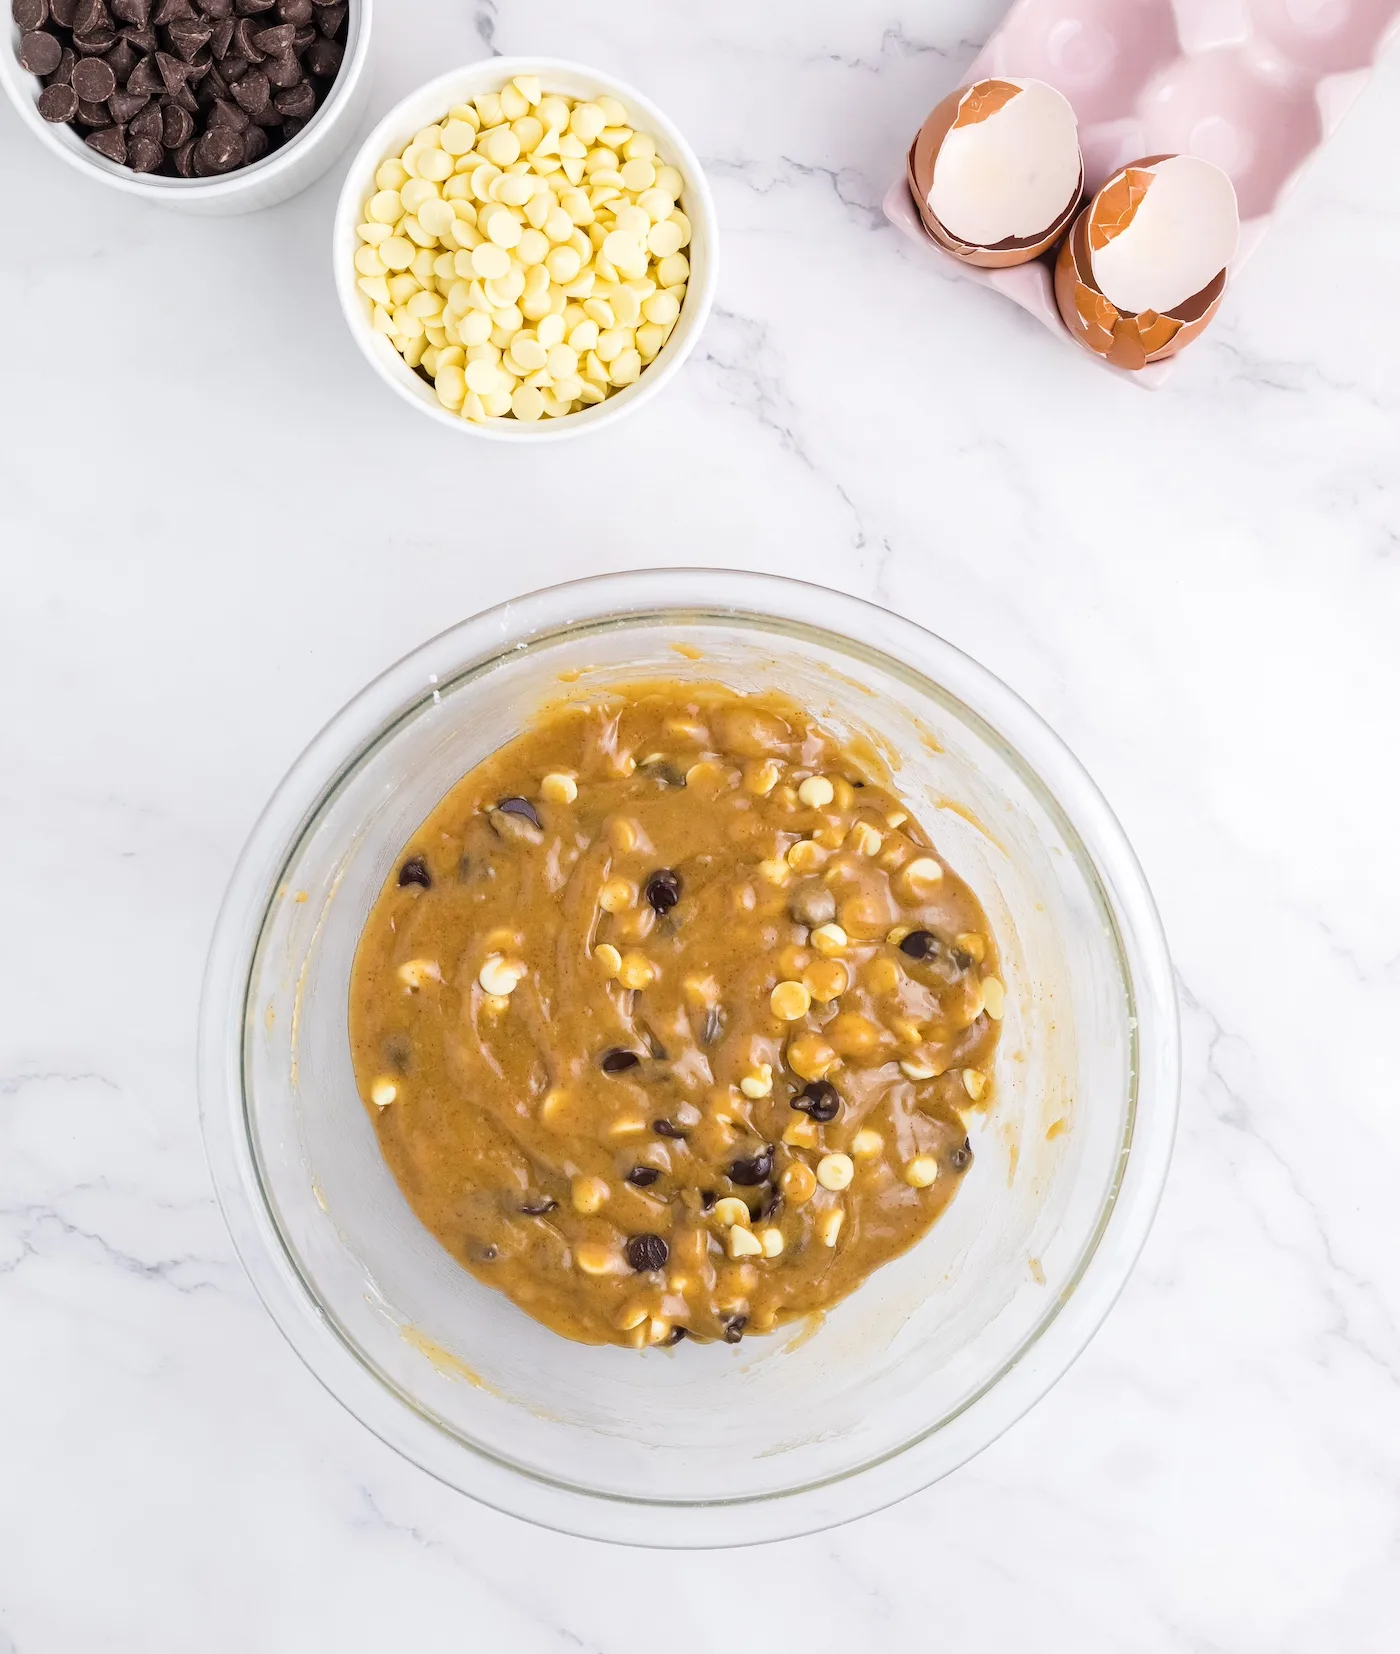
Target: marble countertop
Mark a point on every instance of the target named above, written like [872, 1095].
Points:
[216, 526]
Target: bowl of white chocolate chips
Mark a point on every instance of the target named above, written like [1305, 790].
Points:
[525, 248]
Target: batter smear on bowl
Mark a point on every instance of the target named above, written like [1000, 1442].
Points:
[668, 1016]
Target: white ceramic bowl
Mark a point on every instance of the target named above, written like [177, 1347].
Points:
[428, 104]
[711, 1444]
[277, 177]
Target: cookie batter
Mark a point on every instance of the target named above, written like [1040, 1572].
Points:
[668, 1015]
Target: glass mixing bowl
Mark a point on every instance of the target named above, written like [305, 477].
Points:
[698, 1444]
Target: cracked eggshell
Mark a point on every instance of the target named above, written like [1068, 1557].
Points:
[996, 171]
[1144, 268]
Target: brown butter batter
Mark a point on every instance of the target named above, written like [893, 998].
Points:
[668, 1017]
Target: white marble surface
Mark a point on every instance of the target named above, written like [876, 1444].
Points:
[214, 526]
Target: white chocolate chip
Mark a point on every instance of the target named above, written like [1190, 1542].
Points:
[499, 975]
[382, 1093]
[731, 1210]
[921, 1171]
[417, 973]
[759, 1083]
[771, 1240]
[816, 792]
[743, 1243]
[866, 1144]
[835, 1171]
[993, 998]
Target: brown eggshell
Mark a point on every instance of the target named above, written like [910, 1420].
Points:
[923, 152]
[1127, 341]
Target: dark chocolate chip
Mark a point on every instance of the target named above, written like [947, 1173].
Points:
[171, 11]
[58, 103]
[415, 871]
[29, 14]
[655, 769]
[642, 1177]
[93, 79]
[135, 12]
[144, 41]
[296, 12]
[219, 43]
[108, 141]
[674, 1336]
[300, 101]
[324, 58]
[94, 114]
[772, 1205]
[218, 10]
[330, 20]
[145, 155]
[146, 78]
[91, 16]
[126, 106]
[487, 1253]
[233, 68]
[40, 53]
[122, 59]
[177, 126]
[646, 1252]
[707, 1200]
[274, 41]
[520, 807]
[255, 145]
[734, 1328]
[538, 1208]
[757, 1169]
[663, 890]
[250, 8]
[618, 1061]
[184, 159]
[173, 71]
[96, 43]
[63, 75]
[220, 149]
[148, 124]
[189, 39]
[252, 91]
[63, 12]
[961, 1156]
[664, 1128]
[228, 116]
[283, 72]
[919, 944]
[821, 1100]
[243, 32]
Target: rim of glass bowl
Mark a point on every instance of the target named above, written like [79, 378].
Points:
[866, 634]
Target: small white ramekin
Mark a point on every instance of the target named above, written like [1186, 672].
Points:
[277, 177]
[429, 103]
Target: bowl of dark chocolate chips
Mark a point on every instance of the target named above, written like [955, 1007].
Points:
[206, 106]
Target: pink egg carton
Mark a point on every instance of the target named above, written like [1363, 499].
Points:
[1253, 85]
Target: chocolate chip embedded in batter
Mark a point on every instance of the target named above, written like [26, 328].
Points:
[919, 944]
[618, 1061]
[675, 1335]
[415, 871]
[821, 1100]
[812, 904]
[539, 1208]
[734, 1328]
[647, 1252]
[516, 818]
[663, 890]
[642, 1177]
[664, 1128]
[757, 1169]
[661, 770]
[961, 1156]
